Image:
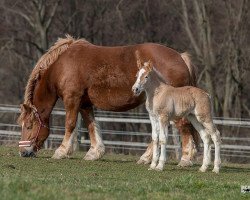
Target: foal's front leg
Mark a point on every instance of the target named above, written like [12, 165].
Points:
[146, 158]
[66, 148]
[155, 140]
[163, 122]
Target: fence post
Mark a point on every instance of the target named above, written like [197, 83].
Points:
[77, 132]
[176, 141]
[46, 144]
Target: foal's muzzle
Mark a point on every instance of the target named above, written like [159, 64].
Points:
[136, 91]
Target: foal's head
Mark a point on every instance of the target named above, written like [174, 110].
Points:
[34, 131]
[142, 77]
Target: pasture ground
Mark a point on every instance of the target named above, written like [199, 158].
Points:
[112, 177]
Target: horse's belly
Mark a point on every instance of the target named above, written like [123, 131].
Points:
[115, 99]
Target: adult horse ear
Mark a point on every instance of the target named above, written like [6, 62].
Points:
[138, 60]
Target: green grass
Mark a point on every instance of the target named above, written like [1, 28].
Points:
[112, 177]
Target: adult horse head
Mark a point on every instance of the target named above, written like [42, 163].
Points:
[34, 131]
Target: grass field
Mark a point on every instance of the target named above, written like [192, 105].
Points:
[112, 177]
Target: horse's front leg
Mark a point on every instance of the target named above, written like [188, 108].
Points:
[155, 139]
[66, 148]
[163, 142]
[97, 148]
[147, 156]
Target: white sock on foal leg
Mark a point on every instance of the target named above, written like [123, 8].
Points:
[163, 142]
[217, 143]
[206, 157]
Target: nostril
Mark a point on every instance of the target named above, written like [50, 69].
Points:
[136, 89]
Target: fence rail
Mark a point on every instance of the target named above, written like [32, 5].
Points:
[8, 132]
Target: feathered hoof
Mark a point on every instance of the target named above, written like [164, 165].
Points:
[203, 169]
[159, 168]
[185, 163]
[95, 153]
[216, 170]
[60, 154]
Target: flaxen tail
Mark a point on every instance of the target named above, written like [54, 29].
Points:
[192, 69]
[43, 64]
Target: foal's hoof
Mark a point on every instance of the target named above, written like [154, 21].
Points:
[216, 170]
[185, 163]
[159, 168]
[203, 169]
[95, 153]
[151, 168]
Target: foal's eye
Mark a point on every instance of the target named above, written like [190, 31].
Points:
[146, 77]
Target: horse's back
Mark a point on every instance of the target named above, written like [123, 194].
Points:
[106, 74]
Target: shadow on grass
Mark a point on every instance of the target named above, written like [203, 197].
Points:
[235, 169]
[116, 161]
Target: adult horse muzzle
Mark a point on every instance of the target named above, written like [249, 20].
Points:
[29, 145]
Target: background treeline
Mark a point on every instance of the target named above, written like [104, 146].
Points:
[216, 33]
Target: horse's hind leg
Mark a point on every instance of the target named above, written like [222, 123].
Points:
[217, 143]
[71, 104]
[97, 148]
[215, 135]
[190, 141]
[198, 124]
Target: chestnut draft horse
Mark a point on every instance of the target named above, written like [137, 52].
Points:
[86, 75]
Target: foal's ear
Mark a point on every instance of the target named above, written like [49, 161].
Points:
[139, 65]
[149, 66]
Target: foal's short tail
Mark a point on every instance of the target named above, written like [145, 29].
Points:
[192, 69]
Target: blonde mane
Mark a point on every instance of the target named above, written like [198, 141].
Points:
[43, 64]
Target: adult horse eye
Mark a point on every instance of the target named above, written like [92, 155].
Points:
[29, 126]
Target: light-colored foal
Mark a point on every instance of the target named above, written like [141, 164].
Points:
[166, 103]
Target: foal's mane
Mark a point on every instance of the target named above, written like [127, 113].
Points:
[43, 64]
[159, 75]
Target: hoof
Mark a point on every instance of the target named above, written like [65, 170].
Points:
[203, 169]
[95, 153]
[185, 163]
[159, 168]
[216, 170]
[60, 154]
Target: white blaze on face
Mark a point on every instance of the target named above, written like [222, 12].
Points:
[141, 72]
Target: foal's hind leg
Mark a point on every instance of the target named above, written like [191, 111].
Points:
[217, 143]
[215, 135]
[71, 104]
[197, 123]
[97, 148]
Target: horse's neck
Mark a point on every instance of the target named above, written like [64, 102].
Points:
[43, 99]
[154, 86]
